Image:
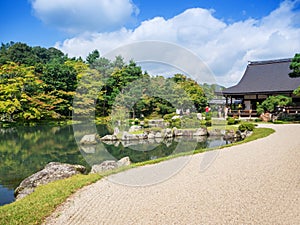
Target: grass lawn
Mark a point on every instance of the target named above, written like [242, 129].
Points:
[34, 208]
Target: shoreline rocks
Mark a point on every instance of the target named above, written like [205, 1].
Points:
[110, 165]
[89, 139]
[53, 171]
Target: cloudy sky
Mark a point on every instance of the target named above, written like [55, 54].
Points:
[225, 35]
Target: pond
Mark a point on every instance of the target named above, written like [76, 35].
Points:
[26, 150]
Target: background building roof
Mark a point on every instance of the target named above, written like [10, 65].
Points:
[265, 77]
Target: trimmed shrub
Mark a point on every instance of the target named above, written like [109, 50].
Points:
[176, 123]
[246, 126]
[232, 121]
[168, 117]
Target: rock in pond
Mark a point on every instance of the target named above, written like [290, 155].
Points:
[109, 138]
[110, 165]
[53, 171]
[201, 132]
[89, 139]
[135, 128]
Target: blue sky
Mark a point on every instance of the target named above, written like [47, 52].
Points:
[215, 30]
[21, 24]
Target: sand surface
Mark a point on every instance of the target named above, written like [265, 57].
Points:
[252, 183]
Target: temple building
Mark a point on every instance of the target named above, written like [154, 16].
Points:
[261, 80]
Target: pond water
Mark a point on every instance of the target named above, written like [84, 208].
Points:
[26, 150]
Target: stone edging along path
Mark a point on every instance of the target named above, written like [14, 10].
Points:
[252, 183]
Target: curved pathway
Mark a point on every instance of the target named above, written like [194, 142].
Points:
[253, 183]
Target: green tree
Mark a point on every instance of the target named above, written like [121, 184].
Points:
[193, 90]
[21, 53]
[21, 95]
[93, 56]
[87, 93]
[272, 102]
[59, 76]
[295, 67]
[115, 81]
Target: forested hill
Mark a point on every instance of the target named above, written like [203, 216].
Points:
[39, 83]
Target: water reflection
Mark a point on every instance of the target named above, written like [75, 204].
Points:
[26, 150]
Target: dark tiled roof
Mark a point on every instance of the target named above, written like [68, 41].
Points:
[265, 77]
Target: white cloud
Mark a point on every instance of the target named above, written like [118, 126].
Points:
[84, 15]
[226, 48]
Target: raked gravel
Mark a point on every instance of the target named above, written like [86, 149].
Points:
[252, 183]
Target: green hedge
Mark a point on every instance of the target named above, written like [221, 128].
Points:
[246, 126]
[232, 121]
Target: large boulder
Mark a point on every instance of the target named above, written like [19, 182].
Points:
[266, 117]
[53, 171]
[201, 132]
[151, 136]
[129, 137]
[104, 166]
[230, 135]
[110, 165]
[124, 162]
[187, 133]
[89, 139]
[167, 133]
[158, 135]
[135, 128]
[176, 132]
[142, 136]
[216, 132]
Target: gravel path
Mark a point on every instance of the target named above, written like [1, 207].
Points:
[253, 183]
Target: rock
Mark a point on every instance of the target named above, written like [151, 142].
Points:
[124, 162]
[200, 132]
[110, 165]
[174, 130]
[142, 136]
[168, 133]
[135, 128]
[129, 137]
[151, 136]
[230, 135]
[239, 134]
[177, 132]
[110, 142]
[158, 135]
[216, 132]
[156, 123]
[90, 139]
[266, 117]
[243, 135]
[52, 172]
[109, 138]
[104, 166]
[116, 131]
[187, 133]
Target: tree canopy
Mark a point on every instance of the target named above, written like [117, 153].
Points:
[274, 102]
[295, 67]
[39, 83]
